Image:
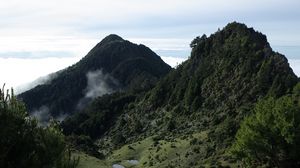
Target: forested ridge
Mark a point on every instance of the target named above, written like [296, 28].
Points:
[192, 115]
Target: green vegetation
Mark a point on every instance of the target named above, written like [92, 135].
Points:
[271, 136]
[26, 145]
[190, 118]
[233, 94]
[87, 161]
[213, 91]
[99, 116]
[153, 152]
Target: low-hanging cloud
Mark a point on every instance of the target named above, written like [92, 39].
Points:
[42, 115]
[39, 81]
[19, 73]
[98, 84]
[295, 65]
[61, 117]
[173, 61]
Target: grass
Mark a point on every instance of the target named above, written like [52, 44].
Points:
[178, 152]
[161, 153]
[87, 161]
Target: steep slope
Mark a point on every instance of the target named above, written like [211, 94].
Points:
[113, 64]
[190, 118]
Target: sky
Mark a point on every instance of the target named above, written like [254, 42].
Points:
[40, 37]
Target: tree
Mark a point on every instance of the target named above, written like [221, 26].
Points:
[271, 136]
[24, 144]
[198, 40]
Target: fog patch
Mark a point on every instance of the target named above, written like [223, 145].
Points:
[173, 61]
[295, 65]
[61, 117]
[98, 84]
[42, 115]
[39, 81]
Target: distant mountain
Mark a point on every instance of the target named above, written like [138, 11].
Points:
[112, 65]
[191, 116]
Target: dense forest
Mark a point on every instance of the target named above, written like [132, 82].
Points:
[234, 103]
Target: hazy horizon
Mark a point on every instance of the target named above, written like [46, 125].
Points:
[43, 37]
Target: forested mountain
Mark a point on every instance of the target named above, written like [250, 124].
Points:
[235, 102]
[112, 65]
[190, 118]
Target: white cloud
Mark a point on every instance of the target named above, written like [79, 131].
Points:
[90, 18]
[173, 61]
[99, 84]
[176, 44]
[71, 28]
[41, 44]
[16, 72]
[72, 25]
[42, 115]
[41, 80]
[295, 65]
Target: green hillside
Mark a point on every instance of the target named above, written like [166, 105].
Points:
[190, 118]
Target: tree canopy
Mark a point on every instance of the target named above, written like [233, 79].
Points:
[25, 144]
[271, 136]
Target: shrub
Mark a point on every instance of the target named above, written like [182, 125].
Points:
[271, 136]
[25, 144]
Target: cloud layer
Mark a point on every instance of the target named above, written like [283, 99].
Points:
[18, 73]
[295, 64]
[53, 34]
[59, 25]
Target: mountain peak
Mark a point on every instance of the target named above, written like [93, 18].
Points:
[131, 66]
[235, 36]
[236, 25]
[240, 30]
[111, 38]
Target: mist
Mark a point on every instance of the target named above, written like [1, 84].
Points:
[295, 65]
[39, 81]
[42, 115]
[98, 84]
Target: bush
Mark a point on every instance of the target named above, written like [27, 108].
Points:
[271, 136]
[24, 144]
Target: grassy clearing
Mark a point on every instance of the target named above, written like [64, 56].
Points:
[151, 152]
[87, 161]
[157, 153]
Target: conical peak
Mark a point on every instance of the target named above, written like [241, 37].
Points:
[111, 38]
